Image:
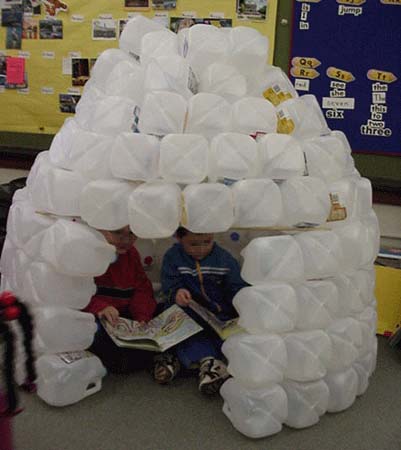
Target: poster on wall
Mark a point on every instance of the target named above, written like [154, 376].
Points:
[347, 54]
[12, 73]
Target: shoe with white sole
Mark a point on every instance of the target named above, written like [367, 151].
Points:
[212, 374]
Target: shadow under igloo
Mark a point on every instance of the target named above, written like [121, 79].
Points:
[196, 130]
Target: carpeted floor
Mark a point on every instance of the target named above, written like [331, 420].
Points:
[133, 413]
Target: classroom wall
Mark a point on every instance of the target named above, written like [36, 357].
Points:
[77, 35]
[369, 165]
[390, 223]
[277, 27]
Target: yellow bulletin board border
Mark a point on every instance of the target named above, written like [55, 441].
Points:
[37, 109]
[388, 296]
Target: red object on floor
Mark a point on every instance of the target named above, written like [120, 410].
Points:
[5, 427]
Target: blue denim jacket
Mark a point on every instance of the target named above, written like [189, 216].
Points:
[220, 276]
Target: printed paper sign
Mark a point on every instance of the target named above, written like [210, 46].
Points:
[15, 70]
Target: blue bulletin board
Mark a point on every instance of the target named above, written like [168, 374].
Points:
[348, 54]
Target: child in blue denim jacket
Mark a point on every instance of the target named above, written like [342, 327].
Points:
[196, 268]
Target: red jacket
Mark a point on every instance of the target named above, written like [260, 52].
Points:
[126, 287]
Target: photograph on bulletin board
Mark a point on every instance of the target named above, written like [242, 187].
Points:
[14, 37]
[11, 16]
[251, 9]
[50, 29]
[3, 68]
[32, 7]
[164, 4]
[104, 29]
[179, 23]
[80, 71]
[30, 28]
[68, 102]
[136, 3]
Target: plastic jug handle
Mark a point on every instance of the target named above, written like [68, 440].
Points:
[93, 387]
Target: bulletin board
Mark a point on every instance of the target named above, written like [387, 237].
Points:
[347, 53]
[60, 42]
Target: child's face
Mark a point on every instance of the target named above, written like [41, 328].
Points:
[122, 239]
[197, 245]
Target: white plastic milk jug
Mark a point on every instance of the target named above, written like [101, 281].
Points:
[308, 354]
[306, 402]
[343, 387]
[317, 304]
[60, 329]
[135, 156]
[257, 203]
[280, 156]
[67, 378]
[272, 258]
[208, 208]
[104, 204]
[154, 209]
[267, 308]
[256, 360]
[184, 158]
[255, 413]
[233, 156]
[43, 286]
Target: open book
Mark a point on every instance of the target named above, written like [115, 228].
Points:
[223, 328]
[167, 329]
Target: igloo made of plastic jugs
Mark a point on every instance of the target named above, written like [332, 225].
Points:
[196, 129]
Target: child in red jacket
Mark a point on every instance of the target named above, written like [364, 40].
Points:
[124, 290]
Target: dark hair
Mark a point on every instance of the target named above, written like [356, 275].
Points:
[181, 232]
[25, 322]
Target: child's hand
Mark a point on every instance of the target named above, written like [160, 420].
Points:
[110, 313]
[182, 297]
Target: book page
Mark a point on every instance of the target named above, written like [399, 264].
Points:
[167, 329]
[223, 328]
[209, 317]
[130, 330]
[174, 326]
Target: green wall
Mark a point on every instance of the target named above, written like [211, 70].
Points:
[371, 166]
[25, 140]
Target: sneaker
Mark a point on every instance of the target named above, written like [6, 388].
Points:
[165, 368]
[212, 374]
